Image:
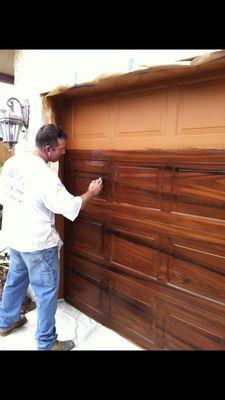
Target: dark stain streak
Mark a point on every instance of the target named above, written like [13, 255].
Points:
[201, 171]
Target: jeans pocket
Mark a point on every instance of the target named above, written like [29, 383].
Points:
[49, 278]
[49, 256]
[49, 266]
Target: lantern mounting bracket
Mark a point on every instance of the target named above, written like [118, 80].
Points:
[24, 109]
[11, 124]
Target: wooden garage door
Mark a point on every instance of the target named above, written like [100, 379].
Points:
[147, 257]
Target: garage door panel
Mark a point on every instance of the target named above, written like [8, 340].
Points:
[134, 253]
[197, 268]
[90, 119]
[82, 181]
[88, 236]
[88, 285]
[187, 328]
[137, 185]
[143, 114]
[131, 314]
[201, 109]
[89, 166]
[199, 191]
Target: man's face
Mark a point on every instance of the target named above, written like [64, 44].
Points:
[57, 152]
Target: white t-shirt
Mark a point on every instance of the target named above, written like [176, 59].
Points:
[31, 193]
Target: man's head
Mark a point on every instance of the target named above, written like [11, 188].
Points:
[51, 141]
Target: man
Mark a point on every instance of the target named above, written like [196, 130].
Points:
[31, 193]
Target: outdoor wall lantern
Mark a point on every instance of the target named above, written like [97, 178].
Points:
[11, 123]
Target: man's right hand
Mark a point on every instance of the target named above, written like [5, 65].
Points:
[93, 190]
[95, 186]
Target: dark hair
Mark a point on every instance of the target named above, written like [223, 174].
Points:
[49, 135]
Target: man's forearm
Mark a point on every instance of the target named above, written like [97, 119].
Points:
[86, 198]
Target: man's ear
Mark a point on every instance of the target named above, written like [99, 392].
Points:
[47, 150]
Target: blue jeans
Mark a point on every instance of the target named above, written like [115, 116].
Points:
[40, 269]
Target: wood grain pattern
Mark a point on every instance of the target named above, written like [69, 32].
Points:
[146, 257]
